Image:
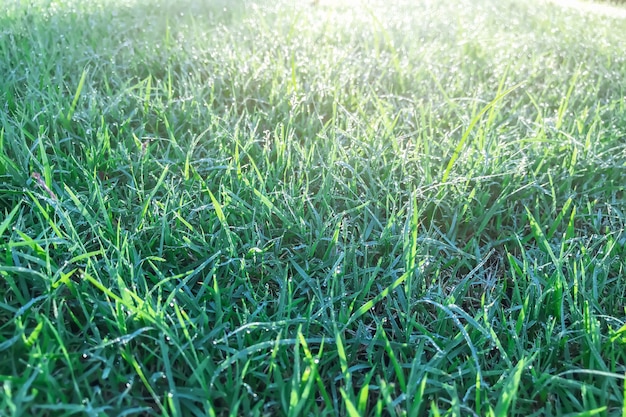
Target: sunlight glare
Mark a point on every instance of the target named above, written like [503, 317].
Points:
[589, 7]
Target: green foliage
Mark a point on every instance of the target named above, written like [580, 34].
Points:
[397, 208]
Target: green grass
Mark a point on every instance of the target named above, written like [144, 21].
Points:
[272, 208]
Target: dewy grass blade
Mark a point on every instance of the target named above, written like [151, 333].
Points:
[343, 359]
[79, 89]
[5, 223]
[46, 216]
[222, 219]
[394, 361]
[296, 398]
[363, 396]
[314, 364]
[565, 100]
[244, 353]
[50, 326]
[509, 390]
[559, 218]
[188, 168]
[266, 201]
[541, 239]
[191, 274]
[146, 203]
[88, 255]
[624, 397]
[418, 398]
[383, 294]
[45, 164]
[129, 357]
[147, 94]
[411, 246]
[463, 332]
[459, 147]
[350, 408]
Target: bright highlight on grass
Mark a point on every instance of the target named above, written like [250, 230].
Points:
[597, 8]
[360, 208]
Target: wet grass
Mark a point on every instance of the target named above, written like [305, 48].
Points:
[263, 208]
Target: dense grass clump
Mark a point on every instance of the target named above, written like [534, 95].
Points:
[274, 208]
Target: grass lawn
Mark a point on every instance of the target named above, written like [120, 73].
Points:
[381, 208]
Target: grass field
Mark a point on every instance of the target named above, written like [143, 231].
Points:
[401, 208]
